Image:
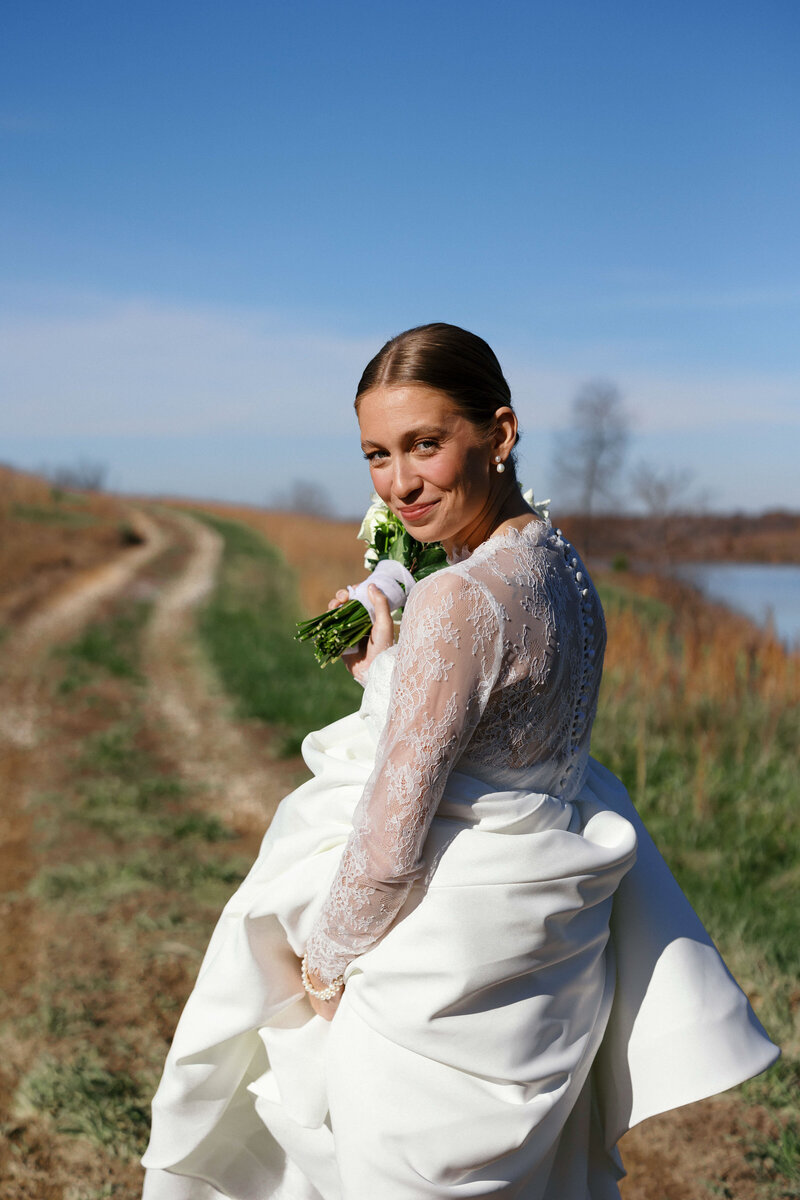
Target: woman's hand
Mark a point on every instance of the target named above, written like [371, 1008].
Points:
[359, 659]
[341, 597]
[323, 1008]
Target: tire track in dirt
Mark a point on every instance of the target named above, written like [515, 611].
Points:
[24, 710]
[188, 710]
[190, 717]
[62, 616]
[180, 715]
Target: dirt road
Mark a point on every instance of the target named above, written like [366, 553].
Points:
[213, 749]
[24, 714]
[185, 726]
[185, 721]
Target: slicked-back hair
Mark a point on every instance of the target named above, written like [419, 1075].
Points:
[447, 358]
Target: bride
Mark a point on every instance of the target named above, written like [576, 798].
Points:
[459, 966]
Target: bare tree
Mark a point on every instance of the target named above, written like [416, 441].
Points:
[591, 453]
[666, 493]
[86, 475]
[662, 491]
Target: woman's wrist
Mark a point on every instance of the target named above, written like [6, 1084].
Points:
[355, 662]
[324, 991]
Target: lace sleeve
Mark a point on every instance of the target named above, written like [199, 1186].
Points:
[448, 658]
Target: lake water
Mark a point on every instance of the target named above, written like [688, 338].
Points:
[762, 591]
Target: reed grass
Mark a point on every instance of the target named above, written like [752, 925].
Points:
[699, 716]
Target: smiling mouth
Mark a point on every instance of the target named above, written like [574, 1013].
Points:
[414, 511]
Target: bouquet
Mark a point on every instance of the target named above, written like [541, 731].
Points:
[396, 560]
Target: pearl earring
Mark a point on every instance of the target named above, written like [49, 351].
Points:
[501, 466]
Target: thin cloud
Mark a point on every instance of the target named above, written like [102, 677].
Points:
[661, 400]
[140, 368]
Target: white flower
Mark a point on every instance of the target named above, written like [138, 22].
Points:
[542, 508]
[375, 516]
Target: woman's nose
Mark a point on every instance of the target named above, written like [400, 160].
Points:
[405, 479]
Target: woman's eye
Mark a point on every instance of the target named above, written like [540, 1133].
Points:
[427, 445]
[373, 456]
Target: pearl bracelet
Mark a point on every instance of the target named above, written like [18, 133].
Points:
[326, 993]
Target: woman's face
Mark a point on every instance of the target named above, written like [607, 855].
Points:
[429, 464]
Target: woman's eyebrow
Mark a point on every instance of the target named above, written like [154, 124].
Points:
[428, 431]
[412, 435]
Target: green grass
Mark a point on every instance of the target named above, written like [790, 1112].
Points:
[248, 629]
[62, 1008]
[94, 883]
[114, 753]
[129, 828]
[125, 795]
[716, 782]
[781, 1156]
[53, 516]
[737, 856]
[60, 494]
[109, 647]
[131, 863]
[84, 1098]
[154, 839]
[618, 598]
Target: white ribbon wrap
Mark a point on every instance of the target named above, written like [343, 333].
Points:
[393, 580]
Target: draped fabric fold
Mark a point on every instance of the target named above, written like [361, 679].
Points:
[499, 1023]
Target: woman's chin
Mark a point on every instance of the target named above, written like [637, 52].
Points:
[422, 531]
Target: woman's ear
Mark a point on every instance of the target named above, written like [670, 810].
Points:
[505, 435]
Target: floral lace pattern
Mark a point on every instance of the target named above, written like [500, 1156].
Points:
[497, 674]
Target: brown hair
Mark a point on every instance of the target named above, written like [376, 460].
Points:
[447, 358]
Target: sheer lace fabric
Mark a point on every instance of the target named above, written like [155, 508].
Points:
[497, 674]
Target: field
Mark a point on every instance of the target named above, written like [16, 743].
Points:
[48, 534]
[146, 733]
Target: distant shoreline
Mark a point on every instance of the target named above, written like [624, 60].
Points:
[646, 542]
[661, 542]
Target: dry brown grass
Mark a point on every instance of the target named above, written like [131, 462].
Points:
[698, 649]
[684, 673]
[47, 535]
[326, 555]
[695, 649]
[773, 537]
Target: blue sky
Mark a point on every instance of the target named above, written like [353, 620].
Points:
[213, 214]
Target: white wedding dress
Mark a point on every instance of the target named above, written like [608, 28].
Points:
[456, 855]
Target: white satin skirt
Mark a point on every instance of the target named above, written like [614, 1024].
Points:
[478, 1050]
